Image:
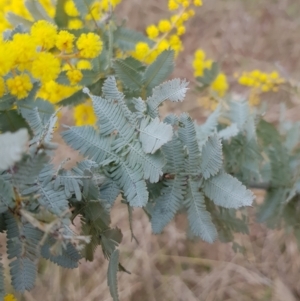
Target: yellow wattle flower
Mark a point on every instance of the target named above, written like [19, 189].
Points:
[19, 85]
[89, 45]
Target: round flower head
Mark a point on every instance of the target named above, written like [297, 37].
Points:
[84, 114]
[6, 57]
[74, 76]
[46, 67]
[44, 34]
[173, 4]
[152, 31]
[71, 9]
[75, 24]
[10, 297]
[24, 50]
[19, 85]
[141, 50]
[220, 84]
[89, 45]
[164, 26]
[64, 41]
[84, 64]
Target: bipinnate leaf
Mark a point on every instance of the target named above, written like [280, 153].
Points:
[167, 205]
[23, 274]
[199, 218]
[226, 191]
[12, 147]
[209, 127]
[212, 160]
[112, 271]
[229, 132]
[174, 90]
[154, 134]
[6, 195]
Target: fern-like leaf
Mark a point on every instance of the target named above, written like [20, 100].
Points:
[23, 274]
[152, 164]
[229, 132]
[109, 191]
[187, 134]
[167, 205]
[6, 195]
[111, 118]
[173, 90]
[130, 180]
[226, 191]
[209, 127]
[68, 258]
[88, 142]
[199, 218]
[54, 200]
[211, 160]
[111, 92]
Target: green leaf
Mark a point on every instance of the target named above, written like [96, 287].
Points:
[80, 97]
[112, 271]
[12, 121]
[159, 70]
[126, 39]
[128, 72]
[83, 6]
[61, 18]
[6, 102]
[16, 20]
[37, 11]
[110, 239]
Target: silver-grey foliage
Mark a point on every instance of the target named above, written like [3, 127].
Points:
[164, 166]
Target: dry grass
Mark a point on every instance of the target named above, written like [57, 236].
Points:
[241, 35]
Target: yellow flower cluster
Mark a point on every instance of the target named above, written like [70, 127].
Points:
[41, 54]
[166, 34]
[260, 82]
[10, 297]
[97, 10]
[263, 81]
[200, 63]
[18, 8]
